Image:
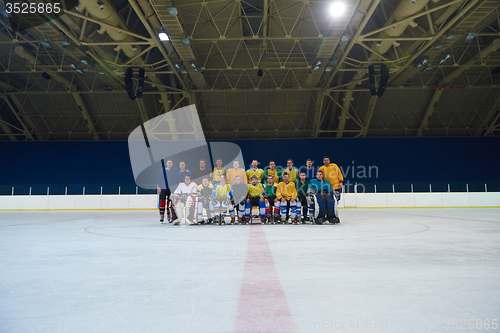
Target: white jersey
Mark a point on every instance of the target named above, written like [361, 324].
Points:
[186, 189]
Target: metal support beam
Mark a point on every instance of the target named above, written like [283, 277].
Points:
[154, 37]
[318, 111]
[353, 41]
[369, 114]
[492, 126]
[26, 130]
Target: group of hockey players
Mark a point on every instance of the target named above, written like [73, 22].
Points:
[287, 195]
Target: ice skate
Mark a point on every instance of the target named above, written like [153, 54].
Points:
[162, 216]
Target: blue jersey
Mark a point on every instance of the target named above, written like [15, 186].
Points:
[310, 173]
[180, 176]
[170, 178]
[318, 186]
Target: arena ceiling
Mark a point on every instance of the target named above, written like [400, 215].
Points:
[256, 69]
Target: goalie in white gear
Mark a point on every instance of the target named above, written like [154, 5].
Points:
[204, 201]
[185, 198]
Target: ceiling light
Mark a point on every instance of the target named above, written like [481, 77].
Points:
[172, 11]
[178, 64]
[470, 37]
[337, 9]
[64, 42]
[186, 41]
[451, 36]
[345, 38]
[444, 58]
[45, 44]
[315, 65]
[420, 63]
[163, 36]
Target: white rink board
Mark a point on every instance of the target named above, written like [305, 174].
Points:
[348, 200]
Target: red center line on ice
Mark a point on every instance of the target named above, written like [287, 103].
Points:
[262, 306]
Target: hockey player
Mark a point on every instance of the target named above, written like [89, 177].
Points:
[272, 171]
[272, 208]
[204, 201]
[236, 171]
[325, 197]
[180, 176]
[185, 197]
[165, 177]
[221, 199]
[240, 194]
[255, 171]
[218, 171]
[255, 198]
[292, 171]
[332, 173]
[309, 170]
[302, 186]
[286, 194]
[202, 172]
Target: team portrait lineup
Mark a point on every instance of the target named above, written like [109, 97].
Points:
[281, 195]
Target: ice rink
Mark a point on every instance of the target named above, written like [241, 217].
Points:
[419, 270]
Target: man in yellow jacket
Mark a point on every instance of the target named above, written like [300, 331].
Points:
[332, 173]
[286, 198]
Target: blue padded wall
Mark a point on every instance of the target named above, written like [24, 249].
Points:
[398, 160]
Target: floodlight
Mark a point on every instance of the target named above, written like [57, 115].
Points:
[337, 8]
[163, 36]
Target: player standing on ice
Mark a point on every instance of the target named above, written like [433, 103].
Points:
[185, 197]
[204, 201]
[255, 171]
[236, 171]
[221, 199]
[255, 198]
[272, 208]
[183, 172]
[286, 195]
[291, 171]
[325, 196]
[240, 193]
[166, 176]
[218, 171]
[332, 173]
[309, 170]
[272, 171]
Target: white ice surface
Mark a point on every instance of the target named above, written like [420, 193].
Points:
[124, 272]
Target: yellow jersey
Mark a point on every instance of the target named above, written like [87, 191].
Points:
[276, 173]
[259, 173]
[333, 174]
[217, 173]
[231, 173]
[286, 191]
[294, 173]
[255, 190]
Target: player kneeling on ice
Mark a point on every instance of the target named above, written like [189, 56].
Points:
[204, 201]
[221, 199]
[325, 197]
[255, 198]
[185, 198]
[286, 198]
[239, 198]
